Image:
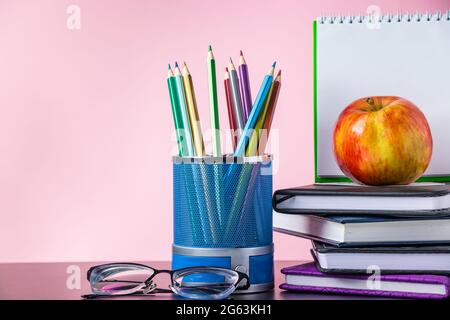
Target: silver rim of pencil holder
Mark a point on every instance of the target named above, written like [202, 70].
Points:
[226, 159]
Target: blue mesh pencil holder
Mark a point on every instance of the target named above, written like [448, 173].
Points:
[223, 215]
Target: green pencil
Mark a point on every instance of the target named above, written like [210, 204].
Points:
[176, 111]
[215, 126]
[191, 197]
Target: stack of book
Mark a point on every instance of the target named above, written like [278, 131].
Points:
[391, 241]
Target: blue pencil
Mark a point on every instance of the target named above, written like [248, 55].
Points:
[184, 114]
[254, 114]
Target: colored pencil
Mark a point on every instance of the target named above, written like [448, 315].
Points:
[228, 97]
[244, 175]
[238, 186]
[238, 113]
[193, 112]
[176, 111]
[215, 128]
[214, 108]
[254, 114]
[258, 134]
[252, 147]
[196, 174]
[192, 197]
[184, 113]
[206, 201]
[270, 112]
[244, 85]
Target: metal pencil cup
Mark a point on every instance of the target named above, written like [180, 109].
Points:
[223, 215]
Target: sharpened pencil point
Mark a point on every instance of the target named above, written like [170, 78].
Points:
[226, 69]
[274, 64]
[185, 68]
[209, 48]
[169, 67]
[176, 64]
[241, 53]
[231, 60]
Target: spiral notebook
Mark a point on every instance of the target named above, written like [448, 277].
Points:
[401, 55]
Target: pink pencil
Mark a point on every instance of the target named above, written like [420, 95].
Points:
[231, 119]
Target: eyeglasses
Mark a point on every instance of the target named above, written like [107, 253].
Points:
[193, 283]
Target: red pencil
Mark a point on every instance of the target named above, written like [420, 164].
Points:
[231, 119]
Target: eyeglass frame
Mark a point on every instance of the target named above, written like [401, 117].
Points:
[148, 288]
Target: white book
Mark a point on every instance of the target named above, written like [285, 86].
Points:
[393, 259]
[363, 230]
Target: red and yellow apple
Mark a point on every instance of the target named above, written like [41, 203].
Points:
[382, 141]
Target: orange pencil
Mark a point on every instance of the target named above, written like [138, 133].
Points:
[270, 112]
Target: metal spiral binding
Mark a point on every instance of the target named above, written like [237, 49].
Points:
[385, 18]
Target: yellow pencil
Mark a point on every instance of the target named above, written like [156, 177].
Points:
[252, 148]
[193, 112]
[258, 142]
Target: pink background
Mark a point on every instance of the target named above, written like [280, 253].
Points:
[86, 125]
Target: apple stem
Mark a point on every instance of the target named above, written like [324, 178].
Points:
[371, 103]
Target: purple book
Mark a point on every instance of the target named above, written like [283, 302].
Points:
[307, 278]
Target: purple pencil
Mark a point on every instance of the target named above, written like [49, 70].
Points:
[244, 85]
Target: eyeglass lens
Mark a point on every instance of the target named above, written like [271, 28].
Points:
[204, 283]
[119, 279]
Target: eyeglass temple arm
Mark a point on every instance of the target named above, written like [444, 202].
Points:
[242, 276]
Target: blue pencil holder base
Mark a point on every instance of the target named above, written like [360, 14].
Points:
[256, 262]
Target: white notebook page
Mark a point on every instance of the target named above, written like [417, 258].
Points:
[407, 59]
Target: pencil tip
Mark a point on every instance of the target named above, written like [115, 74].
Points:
[209, 48]
[169, 66]
[226, 69]
[241, 53]
[176, 64]
[279, 73]
[231, 60]
[274, 64]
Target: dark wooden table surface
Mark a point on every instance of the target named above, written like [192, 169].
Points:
[62, 281]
